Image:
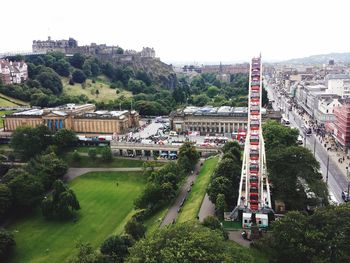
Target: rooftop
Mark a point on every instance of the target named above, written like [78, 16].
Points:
[217, 111]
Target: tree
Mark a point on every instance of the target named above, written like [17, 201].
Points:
[286, 167]
[28, 142]
[117, 247]
[214, 224]
[86, 254]
[187, 242]
[5, 199]
[77, 60]
[220, 185]
[62, 67]
[264, 97]
[87, 68]
[277, 135]
[200, 100]
[62, 204]
[95, 69]
[212, 91]
[50, 80]
[188, 156]
[211, 222]
[220, 205]
[78, 76]
[135, 229]
[64, 139]
[26, 189]
[136, 86]
[76, 156]
[48, 168]
[234, 148]
[7, 243]
[311, 238]
[106, 154]
[92, 153]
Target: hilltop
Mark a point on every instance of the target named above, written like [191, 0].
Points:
[320, 59]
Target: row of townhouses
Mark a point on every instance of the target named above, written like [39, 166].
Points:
[13, 72]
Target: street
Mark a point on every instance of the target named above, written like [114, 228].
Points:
[337, 181]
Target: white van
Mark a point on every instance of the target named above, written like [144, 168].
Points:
[285, 121]
[300, 140]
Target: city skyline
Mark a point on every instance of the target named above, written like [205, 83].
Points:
[187, 31]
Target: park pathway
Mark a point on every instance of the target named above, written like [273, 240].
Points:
[207, 208]
[173, 210]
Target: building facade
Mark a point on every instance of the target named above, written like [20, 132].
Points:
[338, 84]
[79, 118]
[212, 120]
[324, 112]
[13, 72]
[342, 124]
[71, 46]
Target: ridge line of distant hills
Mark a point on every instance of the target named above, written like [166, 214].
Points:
[319, 59]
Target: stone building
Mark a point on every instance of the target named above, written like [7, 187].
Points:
[13, 72]
[71, 46]
[50, 45]
[79, 118]
[214, 120]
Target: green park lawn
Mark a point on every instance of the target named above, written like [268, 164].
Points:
[105, 209]
[194, 200]
[102, 84]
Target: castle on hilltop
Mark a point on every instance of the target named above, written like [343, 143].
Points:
[71, 46]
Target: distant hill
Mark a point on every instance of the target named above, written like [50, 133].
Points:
[320, 59]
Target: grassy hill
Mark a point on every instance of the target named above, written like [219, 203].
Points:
[6, 101]
[102, 84]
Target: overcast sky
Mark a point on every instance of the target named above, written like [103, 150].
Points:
[184, 30]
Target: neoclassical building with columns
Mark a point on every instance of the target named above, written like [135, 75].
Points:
[214, 120]
[82, 119]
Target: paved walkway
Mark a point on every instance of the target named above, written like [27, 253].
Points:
[207, 208]
[173, 210]
[236, 236]
[75, 172]
[338, 156]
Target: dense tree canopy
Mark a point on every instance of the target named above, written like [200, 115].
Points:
[48, 168]
[187, 242]
[188, 156]
[277, 135]
[116, 247]
[28, 142]
[320, 237]
[226, 177]
[26, 189]
[7, 243]
[78, 76]
[62, 204]
[5, 199]
[50, 80]
[293, 170]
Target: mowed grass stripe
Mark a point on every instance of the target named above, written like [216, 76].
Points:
[106, 208]
[194, 200]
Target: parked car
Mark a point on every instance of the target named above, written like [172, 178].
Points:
[345, 195]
